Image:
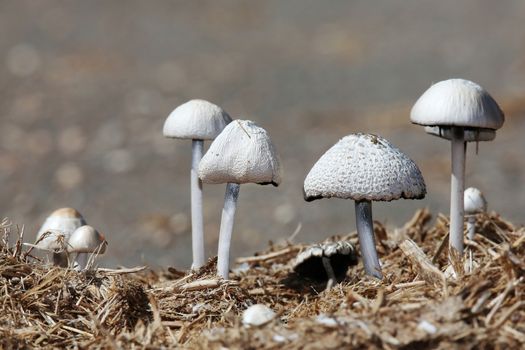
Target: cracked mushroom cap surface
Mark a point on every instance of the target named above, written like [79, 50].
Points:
[58, 228]
[364, 167]
[242, 153]
[474, 201]
[196, 119]
[457, 102]
[86, 239]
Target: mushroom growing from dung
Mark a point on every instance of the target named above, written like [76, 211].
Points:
[326, 262]
[257, 315]
[242, 153]
[55, 232]
[365, 168]
[197, 120]
[460, 111]
[474, 203]
[83, 242]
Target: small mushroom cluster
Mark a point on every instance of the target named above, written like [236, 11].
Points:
[66, 234]
[362, 167]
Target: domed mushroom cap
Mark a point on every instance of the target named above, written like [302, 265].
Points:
[364, 166]
[86, 239]
[457, 102]
[309, 264]
[474, 201]
[196, 119]
[60, 225]
[242, 153]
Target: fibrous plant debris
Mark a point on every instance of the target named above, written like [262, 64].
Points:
[417, 304]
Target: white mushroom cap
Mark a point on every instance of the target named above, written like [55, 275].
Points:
[457, 102]
[257, 315]
[474, 201]
[86, 239]
[364, 167]
[59, 225]
[196, 119]
[242, 153]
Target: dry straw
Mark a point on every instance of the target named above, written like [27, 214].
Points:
[417, 305]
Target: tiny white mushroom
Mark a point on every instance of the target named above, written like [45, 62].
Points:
[84, 241]
[242, 153]
[257, 315]
[460, 111]
[365, 168]
[474, 203]
[55, 232]
[197, 120]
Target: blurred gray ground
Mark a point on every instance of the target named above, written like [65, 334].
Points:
[86, 86]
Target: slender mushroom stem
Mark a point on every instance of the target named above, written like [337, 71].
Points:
[365, 231]
[81, 261]
[456, 189]
[197, 230]
[329, 272]
[225, 233]
[471, 226]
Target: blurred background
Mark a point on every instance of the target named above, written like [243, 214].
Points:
[86, 87]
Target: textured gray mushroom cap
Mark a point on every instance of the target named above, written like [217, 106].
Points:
[308, 263]
[364, 167]
[474, 201]
[196, 119]
[242, 153]
[86, 239]
[457, 102]
[58, 228]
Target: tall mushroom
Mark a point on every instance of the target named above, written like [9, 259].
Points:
[55, 232]
[242, 153]
[85, 240]
[460, 111]
[474, 203]
[197, 120]
[365, 168]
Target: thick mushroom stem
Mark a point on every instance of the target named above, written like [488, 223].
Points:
[457, 189]
[225, 233]
[197, 230]
[365, 231]
[81, 261]
[471, 226]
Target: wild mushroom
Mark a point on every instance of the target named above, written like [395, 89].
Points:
[474, 203]
[257, 315]
[460, 111]
[326, 262]
[84, 241]
[365, 168]
[197, 120]
[242, 153]
[55, 232]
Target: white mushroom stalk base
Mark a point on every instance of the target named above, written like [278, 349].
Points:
[81, 261]
[225, 233]
[365, 232]
[197, 226]
[329, 272]
[471, 227]
[457, 190]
